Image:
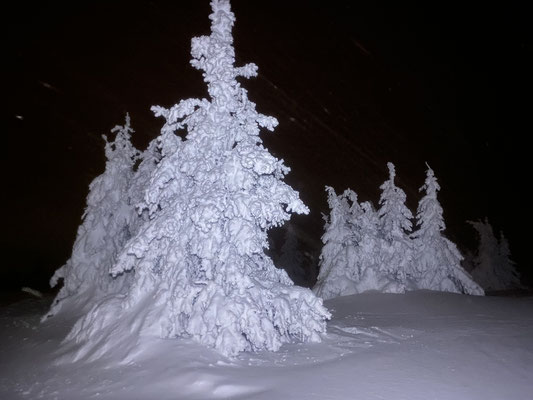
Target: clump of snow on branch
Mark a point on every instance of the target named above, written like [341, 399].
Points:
[199, 263]
[367, 250]
[493, 266]
[107, 225]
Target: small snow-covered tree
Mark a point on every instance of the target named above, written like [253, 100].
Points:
[335, 277]
[395, 227]
[436, 260]
[512, 277]
[200, 267]
[106, 227]
[493, 267]
[369, 245]
[394, 216]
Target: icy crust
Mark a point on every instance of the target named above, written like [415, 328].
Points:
[108, 223]
[197, 262]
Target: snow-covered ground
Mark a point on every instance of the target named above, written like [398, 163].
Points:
[418, 345]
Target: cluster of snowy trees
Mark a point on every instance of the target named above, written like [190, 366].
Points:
[491, 266]
[368, 249]
[173, 240]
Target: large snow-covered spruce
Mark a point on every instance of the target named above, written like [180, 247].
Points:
[108, 222]
[436, 260]
[493, 267]
[200, 270]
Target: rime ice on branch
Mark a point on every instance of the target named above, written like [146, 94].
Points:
[200, 270]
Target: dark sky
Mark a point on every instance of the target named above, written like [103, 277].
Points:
[353, 84]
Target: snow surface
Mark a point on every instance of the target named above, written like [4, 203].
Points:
[417, 345]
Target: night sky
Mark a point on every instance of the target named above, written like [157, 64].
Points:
[353, 85]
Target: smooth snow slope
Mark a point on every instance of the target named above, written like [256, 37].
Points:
[418, 345]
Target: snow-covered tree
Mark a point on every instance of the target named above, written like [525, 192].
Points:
[436, 260]
[106, 227]
[200, 267]
[507, 264]
[493, 267]
[370, 251]
[291, 258]
[352, 257]
[394, 216]
[395, 226]
[335, 277]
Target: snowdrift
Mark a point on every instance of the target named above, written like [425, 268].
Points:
[418, 345]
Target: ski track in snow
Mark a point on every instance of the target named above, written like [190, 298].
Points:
[420, 345]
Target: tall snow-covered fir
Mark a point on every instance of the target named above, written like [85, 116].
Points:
[493, 267]
[436, 260]
[395, 226]
[395, 218]
[200, 269]
[108, 223]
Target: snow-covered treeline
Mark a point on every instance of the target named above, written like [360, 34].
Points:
[492, 266]
[368, 249]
